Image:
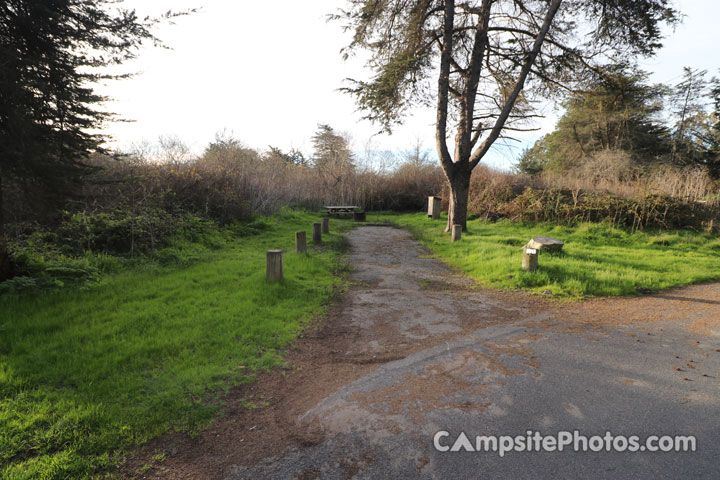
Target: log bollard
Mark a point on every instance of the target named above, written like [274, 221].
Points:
[434, 207]
[325, 225]
[300, 242]
[456, 232]
[317, 233]
[530, 259]
[274, 265]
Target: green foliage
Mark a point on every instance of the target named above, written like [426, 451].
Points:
[87, 373]
[615, 111]
[534, 159]
[598, 259]
[618, 112]
[52, 53]
[85, 245]
[405, 39]
[55, 48]
[331, 149]
[696, 136]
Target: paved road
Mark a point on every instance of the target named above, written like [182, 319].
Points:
[488, 366]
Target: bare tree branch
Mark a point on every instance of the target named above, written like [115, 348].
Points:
[510, 102]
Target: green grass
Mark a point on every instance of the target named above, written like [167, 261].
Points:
[598, 259]
[86, 373]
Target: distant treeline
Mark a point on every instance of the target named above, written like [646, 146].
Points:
[621, 126]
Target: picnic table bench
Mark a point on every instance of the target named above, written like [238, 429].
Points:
[341, 209]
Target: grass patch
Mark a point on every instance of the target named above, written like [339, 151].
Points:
[87, 372]
[598, 259]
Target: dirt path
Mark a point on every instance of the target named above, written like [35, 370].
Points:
[412, 349]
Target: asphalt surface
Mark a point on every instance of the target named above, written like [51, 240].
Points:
[540, 372]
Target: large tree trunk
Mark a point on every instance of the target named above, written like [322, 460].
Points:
[459, 182]
[5, 270]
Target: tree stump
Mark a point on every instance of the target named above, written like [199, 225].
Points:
[317, 232]
[434, 204]
[456, 232]
[359, 216]
[274, 265]
[530, 259]
[300, 242]
[325, 225]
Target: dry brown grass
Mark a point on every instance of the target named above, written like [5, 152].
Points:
[230, 182]
[614, 172]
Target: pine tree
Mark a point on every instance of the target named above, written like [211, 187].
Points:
[615, 110]
[52, 52]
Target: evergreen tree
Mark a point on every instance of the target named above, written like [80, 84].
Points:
[688, 101]
[52, 52]
[615, 110]
[333, 161]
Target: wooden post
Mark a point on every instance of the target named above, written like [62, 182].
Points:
[300, 242]
[274, 265]
[434, 207]
[317, 232]
[530, 259]
[456, 232]
[359, 216]
[325, 225]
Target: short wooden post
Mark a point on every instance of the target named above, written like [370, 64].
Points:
[434, 207]
[274, 265]
[300, 242]
[456, 232]
[359, 216]
[317, 232]
[530, 259]
[325, 225]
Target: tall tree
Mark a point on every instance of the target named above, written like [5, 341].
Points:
[491, 58]
[52, 52]
[687, 100]
[333, 160]
[614, 110]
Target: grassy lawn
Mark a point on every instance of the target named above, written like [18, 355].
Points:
[88, 372]
[597, 260]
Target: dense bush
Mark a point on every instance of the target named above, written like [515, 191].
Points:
[85, 244]
[231, 182]
[664, 197]
[571, 207]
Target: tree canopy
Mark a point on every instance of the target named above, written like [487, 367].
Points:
[615, 110]
[618, 111]
[52, 53]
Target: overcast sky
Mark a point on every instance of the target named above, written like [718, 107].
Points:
[268, 73]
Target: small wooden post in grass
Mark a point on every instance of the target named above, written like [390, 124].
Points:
[359, 216]
[326, 225]
[456, 232]
[300, 242]
[434, 207]
[317, 232]
[530, 259]
[274, 265]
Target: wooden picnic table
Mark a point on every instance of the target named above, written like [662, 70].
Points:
[341, 209]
